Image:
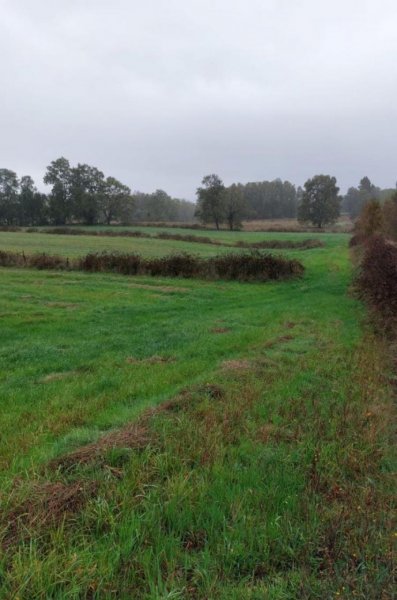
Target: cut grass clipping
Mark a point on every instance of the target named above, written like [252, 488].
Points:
[253, 266]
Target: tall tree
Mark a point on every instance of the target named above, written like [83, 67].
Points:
[86, 185]
[9, 186]
[115, 200]
[356, 198]
[320, 202]
[234, 206]
[32, 204]
[211, 200]
[59, 175]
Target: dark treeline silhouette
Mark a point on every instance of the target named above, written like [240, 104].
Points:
[317, 203]
[82, 195]
[357, 197]
[219, 204]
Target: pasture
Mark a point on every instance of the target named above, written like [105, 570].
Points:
[79, 245]
[251, 453]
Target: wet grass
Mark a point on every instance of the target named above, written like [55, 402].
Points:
[265, 473]
[73, 246]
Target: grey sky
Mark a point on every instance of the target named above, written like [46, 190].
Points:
[161, 92]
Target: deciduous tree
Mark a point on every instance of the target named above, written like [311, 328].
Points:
[86, 185]
[211, 200]
[9, 186]
[114, 199]
[32, 205]
[320, 202]
[234, 206]
[59, 175]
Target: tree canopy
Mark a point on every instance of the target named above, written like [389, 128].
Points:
[320, 202]
[211, 200]
[82, 194]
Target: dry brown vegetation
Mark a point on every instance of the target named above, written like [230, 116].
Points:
[252, 266]
[376, 281]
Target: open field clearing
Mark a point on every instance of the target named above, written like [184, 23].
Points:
[168, 438]
[72, 246]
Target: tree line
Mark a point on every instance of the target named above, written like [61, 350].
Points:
[318, 202]
[83, 195]
[357, 197]
[219, 204]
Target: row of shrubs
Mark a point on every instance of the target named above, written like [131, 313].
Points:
[35, 261]
[287, 244]
[269, 244]
[252, 266]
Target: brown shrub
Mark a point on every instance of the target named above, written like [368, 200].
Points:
[371, 220]
[356, 240]
[11, 259]
[252, 266]
[188, 238]
[279, 244]
[48, 261]
[390, 217]
[126, 264]
[175, 265]
[377, 279]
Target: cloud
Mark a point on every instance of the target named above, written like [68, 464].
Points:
[162, 92]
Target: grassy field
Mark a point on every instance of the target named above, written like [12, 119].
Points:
[264, 473]
[73, 246]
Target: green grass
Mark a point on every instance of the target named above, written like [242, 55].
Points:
[279, 488]
[72, 246]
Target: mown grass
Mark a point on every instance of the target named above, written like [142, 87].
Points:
[268, 477]
[73, 246]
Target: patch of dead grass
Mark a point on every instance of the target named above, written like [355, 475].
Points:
[132, 436]
[168, 289]
[279, 340]
[48, 504]
[57, 376]
[66, 305]
[237, 365]
[151, 360]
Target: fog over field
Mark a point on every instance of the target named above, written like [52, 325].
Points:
[160, 93]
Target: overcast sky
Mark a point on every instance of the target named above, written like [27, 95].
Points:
[159, 93]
